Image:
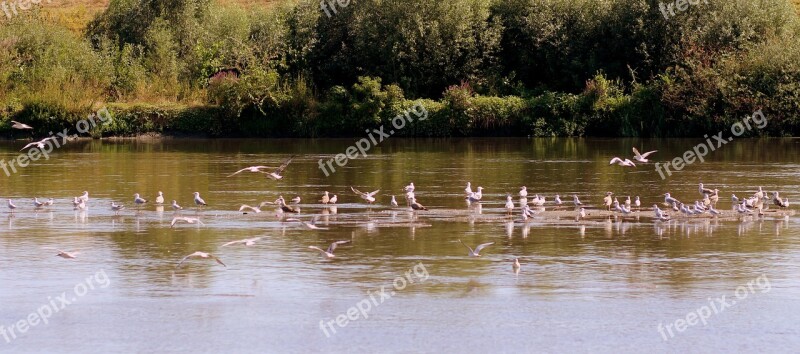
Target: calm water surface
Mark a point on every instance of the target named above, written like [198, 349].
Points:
[591, 286]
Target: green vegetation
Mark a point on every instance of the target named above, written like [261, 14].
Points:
[480, 67]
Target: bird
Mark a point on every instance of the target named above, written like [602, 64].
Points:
[296, 200]
[576, 200]
[607, 200]
[67, 255]
[394, 202]
[138, 200]
[778, 201]
[11, 205]
[185, 219]
[78, 204]
[175, 205]
[84, 197]
[704, 191]
[582, 213]
[369, 197]
[642, 157]
[285, 208]
[329, 252]
[516, 266]
[468, 190]
[479, 193]
[116, 207]
[471, 198]
[760, 194]
[308, 225]
[713, 211]
[254, 169]
[734, 199]
[628, 202]
[246, 242]
[409, 188]
[621, 162]
[416, 206]
[557, 200]
[659, 214]
[637, 202]
[476, 252]
[669, 200]
[21, 126]
[160, 198]
[276, 175]
[49, 202]
[199, 254]
[334, 199]
[325, 198]
[199, 201]
[523, 192]
[39, 144]
[36, 203]
[509, 204]
[254, 209]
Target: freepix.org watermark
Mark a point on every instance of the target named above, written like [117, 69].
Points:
[329, 6]
[668, 9]
[700, 151]
[375, 299]
[44, 147]
[715, 306]
[53, 306]
[364, 145]
[10, 7]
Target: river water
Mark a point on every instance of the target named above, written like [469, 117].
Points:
[597, 285]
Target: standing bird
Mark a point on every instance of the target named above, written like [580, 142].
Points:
[628, 202]
[576, 200]
[778, 201]
[334, 199]
[607, 200]
[49, 202]
[416, 206]
[509, 205]
[160, 198]
[199, 201]
[637, 203]
[523, 192]
[296, 200]
[84, 197]
[516, 266]
[468, 190]
[704, 191]
[476, 252]
[329, 252]
[116, 208]
[138, 200]
[67, 255]
[558, 200]
[200, 255]
[582, 213]
[175, 205]
[642, 157]
[37, 204]
[394, 202]
[325, 198]
[409, 187]
[11, 206]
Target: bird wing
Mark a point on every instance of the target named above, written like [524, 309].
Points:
[184, 259]
[628, 161]
[245, 206]
[332, 247]
[29, 145]
[636, 153]
[174, 220]
[283, 167]
[318, 249]
[356, 191]
[615, 160]
[645, 155]
[234, 242]
[468, 247]
[238, 172]
[218, 260]
[482, 246]
[373, 193]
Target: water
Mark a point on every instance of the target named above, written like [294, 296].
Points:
[592, 286]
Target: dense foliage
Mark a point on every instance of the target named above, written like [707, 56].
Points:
[480, 67]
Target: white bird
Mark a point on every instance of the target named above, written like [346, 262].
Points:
[276, 175]
[116, 207]
[138, 200]
[325, 198]
[642, 157]
[36, 203]
[523, 192]
[39, 144]
[409, 187]
[637, 202]
[334, 199]
[296, 200]
[582, 213]
[394, 202]
[185, 219]
[246, 242]
[479, 193]
[704, 191]
[778, 201]
[199, 201]
[628, 202]
[760, 194]
[369, 197]
[468, 190]
[576, 200]
[516, 266]
[509, 204]
[472, 198]
[67, 255]
[18, 125]
[49, 202]
[621, 162]
[668, 199]
[416, 206]
[254, 209]
[175, 205]
[308, 225]
[11, 205]
[160, 198]
[659, 214]
[78, 203]
[84, 197]
[713, 211]
[527, 212]
[476, 252]
[250, 169]
[558, 200]
[200, 255]
[329, 252]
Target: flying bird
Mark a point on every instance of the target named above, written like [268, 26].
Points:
[308, 225]
[329, 253]
[250, 169]
[200, 255]
[276, 175]
[621, 162]
[642, 157]
[67, 255]
[369, 197]
[476, 252]
[186, 220]
[39, 144]
[247, 242]
[21, 126]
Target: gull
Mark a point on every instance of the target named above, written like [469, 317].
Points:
[409, 187]
[558, 200]
[11, 205]
[246, 242]
[538, 201]
[642, 157]
[621, 162]
[699, 205]
[628, 202]
[472, 198]
[276, 175]
[637, 202]
[468, 190]
[576, 200]
[760, 194]
[18, 125]
[369, 197]
[67, 255]
[334, 199]
[78, 203]
[160, 198]
[84, 197]
[509, 204]
[668, 199]
[308, 225]
[39, 144]
[607, 201]
[200, 255]
[185, 219]
[325, 198]
[416, 206]
[704, 191]
[476, 252]
[36, 203]
[582, 213]
[659, 214]
[250, 169]
[175, 205]
[199, 201]
[734, 199]
[516, 266]
[527, 212]
[138, 200]
[778, 201]
[329, 253]
[254, 209]
[479, 193]
[523, 192]
[49, 202]
[713, 211]
[394, 202]
[116, 207]
[296, 200]
[285, 208]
